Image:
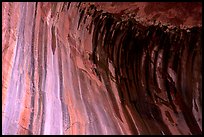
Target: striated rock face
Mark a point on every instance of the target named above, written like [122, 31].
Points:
[101, 68]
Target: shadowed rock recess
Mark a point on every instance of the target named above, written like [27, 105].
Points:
[101, 68]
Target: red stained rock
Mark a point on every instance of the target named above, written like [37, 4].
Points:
[101, 68]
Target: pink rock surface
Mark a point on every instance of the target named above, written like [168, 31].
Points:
[65, 69]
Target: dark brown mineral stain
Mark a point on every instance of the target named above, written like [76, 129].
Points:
[53, 40]
[114, 72]
[137, 43]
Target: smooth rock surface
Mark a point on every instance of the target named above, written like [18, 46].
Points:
[101, 68]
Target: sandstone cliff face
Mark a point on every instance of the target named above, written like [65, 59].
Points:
[101, 68]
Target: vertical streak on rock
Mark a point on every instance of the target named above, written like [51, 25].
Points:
[197, 95]
[40, 71]
[16, 84]
[68, 5]
[45, 36]
[103, 59]
[63, 5]
[32, 88]
[80, 18]
[186, 103]
[65, 114]
[53, 40]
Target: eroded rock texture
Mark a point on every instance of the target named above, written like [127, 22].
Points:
[101, 68]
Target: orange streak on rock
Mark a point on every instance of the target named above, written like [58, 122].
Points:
[9, 36]
[25, 113]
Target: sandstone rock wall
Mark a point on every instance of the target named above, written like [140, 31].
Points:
[101, 68]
